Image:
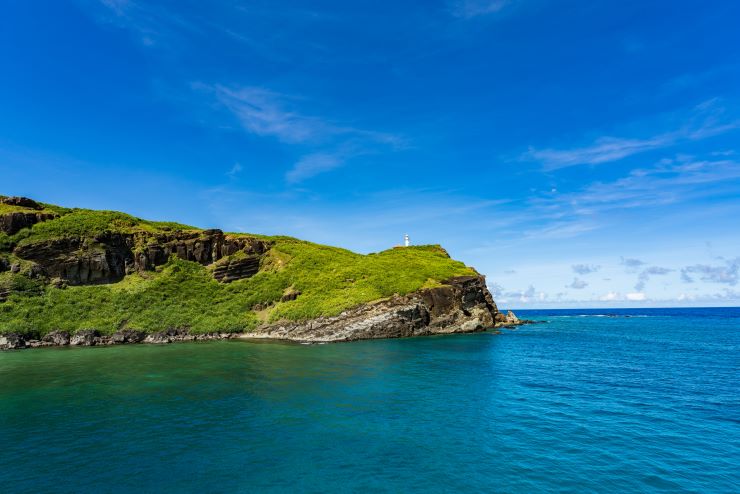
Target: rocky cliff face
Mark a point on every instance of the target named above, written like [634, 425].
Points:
[11, 223]
[14, 221]
[108, 258]
[461, 305]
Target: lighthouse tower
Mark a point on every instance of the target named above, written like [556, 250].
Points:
[406, 240]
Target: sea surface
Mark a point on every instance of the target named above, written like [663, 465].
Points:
[588, 401]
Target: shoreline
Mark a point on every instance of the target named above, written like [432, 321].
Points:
[91, 338]
[462, 304]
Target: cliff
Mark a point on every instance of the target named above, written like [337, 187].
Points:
[83, 277]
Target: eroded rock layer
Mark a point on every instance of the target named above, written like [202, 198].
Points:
[108, 258]
[461, 305]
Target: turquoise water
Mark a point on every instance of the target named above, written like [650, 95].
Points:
[579, 404]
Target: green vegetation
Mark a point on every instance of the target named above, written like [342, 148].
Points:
[86, 222]
[75, 222]
[183, 294]
[46, 208]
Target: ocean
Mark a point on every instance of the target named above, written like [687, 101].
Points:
[586, 401]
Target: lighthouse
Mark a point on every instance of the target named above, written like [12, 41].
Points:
[406, 240]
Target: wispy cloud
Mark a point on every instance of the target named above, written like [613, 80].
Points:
[262, 112]
[151, 23]
[584, 269]
[577, 284]
[560, 229]
[119, 7]
[313, 164]
[704, 121]
[234, 171]
[267, 113]
[670, 181]
[631, 263]
[467, 9]
[495, 289]
[727, 273]
[646, 273]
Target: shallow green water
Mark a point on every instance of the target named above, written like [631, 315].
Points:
[647, 404]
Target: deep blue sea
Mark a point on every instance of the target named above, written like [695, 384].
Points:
[588, 401]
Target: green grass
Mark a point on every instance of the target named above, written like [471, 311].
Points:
[183, 294]
[47, 208]
[89, 223]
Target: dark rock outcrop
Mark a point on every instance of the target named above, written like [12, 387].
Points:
[80, 261]
[204, 247]
[166, 336]
[23, 202]
[127, 336]
[57, 338]
[236, 269]
[461, 305]
[12, 341]
[290, 295]
[11, 223]
[107, 258]
[85, 337]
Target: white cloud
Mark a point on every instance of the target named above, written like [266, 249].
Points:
[611, 296]
[151, 23]
[234, 171]
[523, 296]
[266, 113]
[669, 182]
[631, 263]
[262, 112]
[312, 165]
[635, 297]
[604, 150]
[647, 273]
[728, 273]
[577, 284]
[703, 122]
[496, 290]
[560, 229]
[584, 269]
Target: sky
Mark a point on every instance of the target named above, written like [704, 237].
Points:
[579, 154]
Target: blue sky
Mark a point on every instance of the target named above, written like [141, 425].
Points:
[577, 153]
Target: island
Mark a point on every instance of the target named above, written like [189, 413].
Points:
[71, 276]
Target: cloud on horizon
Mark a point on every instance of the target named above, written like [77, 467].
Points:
[727, 273]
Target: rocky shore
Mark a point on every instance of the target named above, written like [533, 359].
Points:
[460, 305]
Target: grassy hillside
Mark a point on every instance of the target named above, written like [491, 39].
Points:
[184, 294]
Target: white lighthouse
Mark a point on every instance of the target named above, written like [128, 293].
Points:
[406, 240]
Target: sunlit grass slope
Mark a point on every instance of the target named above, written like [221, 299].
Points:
[183, 294]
